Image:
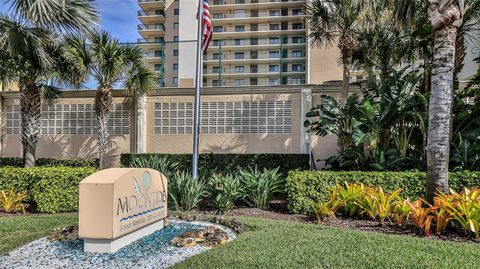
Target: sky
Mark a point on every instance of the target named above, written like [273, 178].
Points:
[118, 17]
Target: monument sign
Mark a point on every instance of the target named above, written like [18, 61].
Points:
[119, 206]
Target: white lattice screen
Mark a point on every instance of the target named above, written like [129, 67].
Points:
[257, 117]
[73, 119]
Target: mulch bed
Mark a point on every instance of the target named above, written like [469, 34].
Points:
[278, 211]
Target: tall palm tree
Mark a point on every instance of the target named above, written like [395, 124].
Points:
[109, 62]
[446, 17]
[28, 42]
[332, 22]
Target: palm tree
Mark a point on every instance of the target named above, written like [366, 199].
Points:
[29, 44]
[446, 17]
[109, 62]
[332, 22]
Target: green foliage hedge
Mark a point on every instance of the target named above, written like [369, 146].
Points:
[212, 163]
[51, 189]
[305, 188]
[18, 162]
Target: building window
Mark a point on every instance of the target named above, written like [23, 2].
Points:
[274, 27]
[274, 54]
[157, 67]
[158, 53]
[218, 42]
[175, 66]
[238, 82]
[239, 14]
[239, 69]
[217, 29]
[216, 56]
[175, 52]
[216, 69]
[239, 55]
[297, 54]
[253, 27]
[274, 13]
[273, 81]
[218, 15]
[297, 26]
[274, 40]
[176, 25]
[240, 42]
[297, 67]
[297, 11]
[175, 39]
[298, 39]
[273, 68]
[176, 12]
[175, 81]
[216, 82]
[159, 39]
[239, 28]
[297, 81]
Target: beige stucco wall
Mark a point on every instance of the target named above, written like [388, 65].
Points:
[84, 146]
[323, 65]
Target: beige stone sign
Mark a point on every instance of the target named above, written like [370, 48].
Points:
[120, 205]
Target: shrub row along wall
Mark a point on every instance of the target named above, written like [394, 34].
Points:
[18, 162]
[211, 163]
[51, 189]
[305, 188]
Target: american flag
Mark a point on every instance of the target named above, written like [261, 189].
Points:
[207, 26]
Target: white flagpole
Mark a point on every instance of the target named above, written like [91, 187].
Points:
[198, 83]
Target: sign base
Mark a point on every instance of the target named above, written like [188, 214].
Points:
[111, 246]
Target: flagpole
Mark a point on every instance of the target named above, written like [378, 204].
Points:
[198, 82]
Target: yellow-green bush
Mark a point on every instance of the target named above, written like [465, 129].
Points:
[51, 189]
[307, 188]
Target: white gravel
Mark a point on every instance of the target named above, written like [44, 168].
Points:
[153, 251]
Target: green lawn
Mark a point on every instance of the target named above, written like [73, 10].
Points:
[282, 244]
[16, 231]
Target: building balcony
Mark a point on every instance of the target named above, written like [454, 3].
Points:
[151, 16]
[261, 19]
[151, 4]
[151, 30]
[261, 72]
[260, 44]
[261, 32]
[254, 4]
[248, 60]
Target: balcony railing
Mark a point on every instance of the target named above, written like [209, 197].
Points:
[142, 13]
[241, 2]
[142, 27]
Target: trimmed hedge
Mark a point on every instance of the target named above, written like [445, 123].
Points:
[50, 189]
[211, 163]
[305, 188]
[18, 162]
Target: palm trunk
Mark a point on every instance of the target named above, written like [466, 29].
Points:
[103, 105]
[30, 106]
[439, 124]
[346, 78]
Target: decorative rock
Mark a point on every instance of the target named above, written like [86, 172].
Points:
[64, 234]
[210, 236]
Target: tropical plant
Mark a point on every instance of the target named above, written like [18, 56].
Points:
[378, 204]
[224, 191]
[350, 196]
[464, 208]
[329, 118]
[441, 218]
[260, 186]
[109, 62]
[160, 163]
[11, 201]
[184, 192]
[420, 216]
[29, 47]
[401, 212]
[328, 208]
[335, 22]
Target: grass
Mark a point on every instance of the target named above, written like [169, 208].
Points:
[19, 230]
[282, 244]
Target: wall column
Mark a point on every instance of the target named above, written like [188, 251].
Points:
[140, 144]
[305, 106]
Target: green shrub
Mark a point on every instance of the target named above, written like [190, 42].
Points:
[184, 192]
[259, 187]
[306, 188]
[168, 167]
[51, 189]
[224, 191]
[18, 162]
[212, 163]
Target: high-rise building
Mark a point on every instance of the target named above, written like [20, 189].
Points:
[255, 42]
